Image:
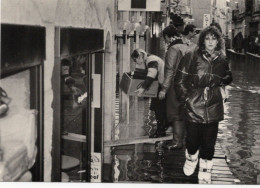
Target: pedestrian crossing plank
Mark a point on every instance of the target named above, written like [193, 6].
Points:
[143, 139]
[222, 179]
[220, 162]
[222, 176]
[221, 172]
[224, 168]
[222, 182]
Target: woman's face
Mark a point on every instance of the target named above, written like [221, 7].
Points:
[210, 42]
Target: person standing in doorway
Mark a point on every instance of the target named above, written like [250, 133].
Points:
[155, 70]
[176, 50]
[198, 83]
[257, 42]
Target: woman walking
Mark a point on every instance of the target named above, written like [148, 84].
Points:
[198, 82]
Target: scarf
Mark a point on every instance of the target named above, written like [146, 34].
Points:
[209, 56]
[176, 40]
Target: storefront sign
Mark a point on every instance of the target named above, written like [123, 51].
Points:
[206, 20]
[139, 5]
[173, 3]
[95, 168]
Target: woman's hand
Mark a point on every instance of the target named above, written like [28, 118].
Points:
[140, 92]
[162, 95]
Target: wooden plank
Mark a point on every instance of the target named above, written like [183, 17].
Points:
[173, 162]
[225, 168]
[222, 182]
[222, 179]
[217, 160]
[222, 176]
[254, 55]
[144, 139]
[221, 172]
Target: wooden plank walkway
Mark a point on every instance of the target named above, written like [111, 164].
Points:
[173, 161]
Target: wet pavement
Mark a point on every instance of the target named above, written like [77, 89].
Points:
[239, 136]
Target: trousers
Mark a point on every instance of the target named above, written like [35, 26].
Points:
[159, 108]
[201, 137]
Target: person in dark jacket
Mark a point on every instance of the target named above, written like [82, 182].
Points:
[198, 82]
[154, 66]
[238, 46]
[175, 52]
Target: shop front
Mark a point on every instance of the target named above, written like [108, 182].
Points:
[78, 78]
[21, 122]
[70, 81]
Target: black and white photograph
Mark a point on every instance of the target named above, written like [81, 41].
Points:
[119, 92]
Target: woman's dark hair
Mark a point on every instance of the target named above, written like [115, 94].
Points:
[217, 26]
[170, 31]
[213, 31]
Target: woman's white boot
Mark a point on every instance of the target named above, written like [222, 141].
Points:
[204, 175]
[190, 163]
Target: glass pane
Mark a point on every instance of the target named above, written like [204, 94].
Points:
[73, 118]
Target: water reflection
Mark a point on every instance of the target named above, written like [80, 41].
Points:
[239, 136]
[241, 128]
[149, 163]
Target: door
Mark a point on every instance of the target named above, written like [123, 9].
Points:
[97, 64]
[77, 104]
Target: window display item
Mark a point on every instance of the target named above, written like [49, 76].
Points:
[4, 101]
[15, 162]
[21, 129]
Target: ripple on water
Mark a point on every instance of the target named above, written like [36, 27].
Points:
[240, 131]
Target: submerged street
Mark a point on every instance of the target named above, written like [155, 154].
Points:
[240, 131]
[239, 137]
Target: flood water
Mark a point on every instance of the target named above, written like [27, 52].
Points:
[240, 131]
[239, 136]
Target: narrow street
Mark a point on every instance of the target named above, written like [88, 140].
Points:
[240, 131]
[238, 139]
[77, 79]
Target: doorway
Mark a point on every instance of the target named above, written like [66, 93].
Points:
[78, 112]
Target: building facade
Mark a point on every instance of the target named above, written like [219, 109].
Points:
[65, 25]
[89, 41]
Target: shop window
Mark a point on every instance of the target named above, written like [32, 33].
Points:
[78, 131]
[23, 53]
[138, 4]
